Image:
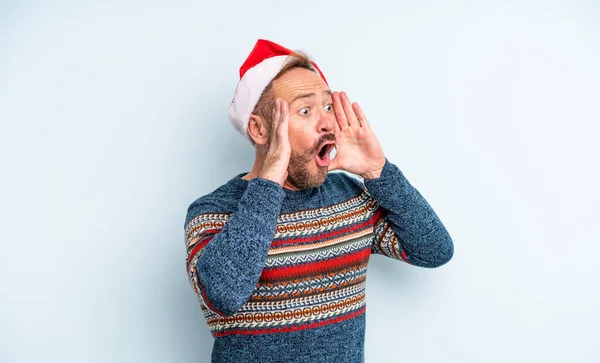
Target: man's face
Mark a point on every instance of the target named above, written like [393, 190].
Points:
[311, 125]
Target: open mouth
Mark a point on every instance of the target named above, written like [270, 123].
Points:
[325, 150]
[323, 156]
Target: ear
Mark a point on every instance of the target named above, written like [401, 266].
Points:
[257, 129]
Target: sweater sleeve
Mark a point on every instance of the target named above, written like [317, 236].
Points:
[226, 252]
[408, 229]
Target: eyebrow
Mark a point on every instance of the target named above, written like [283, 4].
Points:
[307, 95]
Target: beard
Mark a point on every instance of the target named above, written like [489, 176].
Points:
[299, 175]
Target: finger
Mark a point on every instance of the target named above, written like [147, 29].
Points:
[284, 119]
[276, 115]
[334, 165]
[336, 128]
[362, 118]
[338, 110]
[350, 115]
[273, 128]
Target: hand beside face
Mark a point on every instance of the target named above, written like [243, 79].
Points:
[357, 148]
[316, 116]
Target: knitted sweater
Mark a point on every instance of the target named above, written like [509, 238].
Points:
[281, 274]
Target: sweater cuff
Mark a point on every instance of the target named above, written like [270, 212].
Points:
[390, 187]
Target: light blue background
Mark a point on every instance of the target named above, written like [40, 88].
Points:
[114, 119]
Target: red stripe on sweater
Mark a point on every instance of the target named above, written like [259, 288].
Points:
[206, 300]
[316, 267]
[294, 327]
[196, 249]
[404, 256]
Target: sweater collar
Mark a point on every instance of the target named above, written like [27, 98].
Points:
[294, 195]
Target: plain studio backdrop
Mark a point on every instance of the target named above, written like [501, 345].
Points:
[114, 120]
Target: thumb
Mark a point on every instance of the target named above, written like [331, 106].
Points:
[334, 165]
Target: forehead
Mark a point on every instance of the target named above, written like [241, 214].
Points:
[297, 81]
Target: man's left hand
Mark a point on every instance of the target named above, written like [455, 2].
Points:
[357, 149]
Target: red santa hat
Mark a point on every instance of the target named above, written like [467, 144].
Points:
[262, 65]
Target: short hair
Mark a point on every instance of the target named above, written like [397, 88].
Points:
[266, 102]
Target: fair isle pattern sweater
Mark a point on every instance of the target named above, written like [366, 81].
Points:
[281, 274]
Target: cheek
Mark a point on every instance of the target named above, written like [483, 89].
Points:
[300, 145]
[298, 136]
[331, 117]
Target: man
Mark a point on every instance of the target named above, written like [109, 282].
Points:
[278, 256]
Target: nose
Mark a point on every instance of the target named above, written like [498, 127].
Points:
[325, 124]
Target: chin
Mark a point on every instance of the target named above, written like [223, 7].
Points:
[319, 177]
[303, 179]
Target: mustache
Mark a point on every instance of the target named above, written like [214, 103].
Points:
[324, 139]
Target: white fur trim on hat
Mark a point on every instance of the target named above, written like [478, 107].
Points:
[250, 88]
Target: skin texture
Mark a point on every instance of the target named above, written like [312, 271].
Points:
[308, 115]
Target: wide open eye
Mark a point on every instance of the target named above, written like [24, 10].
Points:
[304, 111]
[329, 108]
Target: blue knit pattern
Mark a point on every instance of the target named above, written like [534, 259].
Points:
[281, 275]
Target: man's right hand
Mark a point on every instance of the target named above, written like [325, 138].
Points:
[278, 155]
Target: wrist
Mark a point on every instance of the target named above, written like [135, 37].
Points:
[273, 175]
[272, 179]
[372, 174]
[375, 172]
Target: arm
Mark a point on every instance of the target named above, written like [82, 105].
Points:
[226, 253]
[409, 230]
[224, 272]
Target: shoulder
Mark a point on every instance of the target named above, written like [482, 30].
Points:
[223, 200]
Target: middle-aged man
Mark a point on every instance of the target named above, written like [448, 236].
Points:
[278, 255]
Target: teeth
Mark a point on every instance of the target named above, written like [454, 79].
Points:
[333, 152]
